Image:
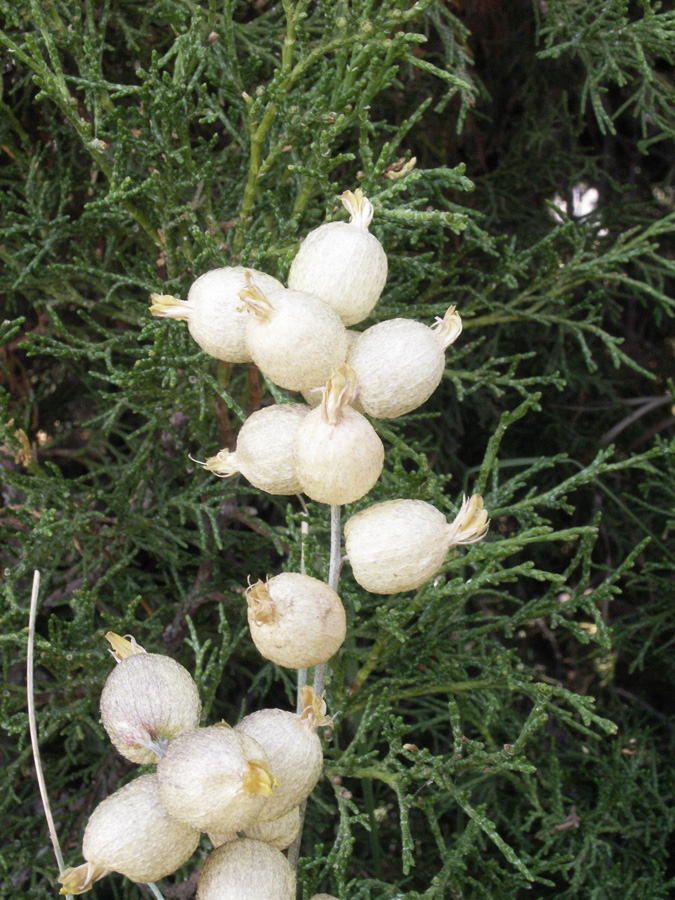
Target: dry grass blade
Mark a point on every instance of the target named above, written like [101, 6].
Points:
[32, 724]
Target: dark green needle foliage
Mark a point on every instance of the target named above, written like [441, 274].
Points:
[505, 731]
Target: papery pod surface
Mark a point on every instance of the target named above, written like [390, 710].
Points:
[396, 545]
[264, 453]
[294, 338]
[148, 700]
[399, 363]
[343, 263]
[215, 779]
[132, 833]
[293, 748]
[337, 454]
[213, 311]
[295, 620]
[246, 870]
[279, 833]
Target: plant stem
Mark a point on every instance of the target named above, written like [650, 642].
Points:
[32, 724]
[321, 670]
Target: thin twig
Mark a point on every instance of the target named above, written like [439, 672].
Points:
[32, 724]
[321, 670]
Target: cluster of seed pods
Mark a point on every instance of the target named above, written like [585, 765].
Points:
[243, 786]
[227, 782]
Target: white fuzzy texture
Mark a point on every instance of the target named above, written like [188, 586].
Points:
[396, 545]
[299, 342]
[246, 870]
[344, 265]
[130, 832]
[216, 321]
[201, 779]
[264, 452]
[313, 397]
[148, 700]
[303, 624]
[398, 363]
[279, 833]
[294, 751]
[340, 463]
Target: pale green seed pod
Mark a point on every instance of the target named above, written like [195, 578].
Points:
[295, 620]
[246, 870]
[147, 700]
[294, 338]
[343, 263]
[279, 833]
[293, 749]
[323, 897]
[215, 779]
[264, 453]
[399, 363]
[213, 311]
[399, 544]
[131, 833]
[337, 455]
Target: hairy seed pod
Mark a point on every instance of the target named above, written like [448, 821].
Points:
[294, 338]
[337, 455]
[246, 870]
[264, 453]
[343, 263]
[147, 700]
[131, 832]
[399, 363]
[215, 779]
[399, 544]
[279, 833]
[292, 747]
[295, 620]
[213, 311]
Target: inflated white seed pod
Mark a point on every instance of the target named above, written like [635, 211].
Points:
[213, 311]
[246, 870]
[399, 363]
[131, 832]
[399, 544]
[294, 338]
[337, 455]
[147, 700]
[215, 779]
[295, 620]
[343, 263]
[279, 833]
[264, 453]
[293, 749]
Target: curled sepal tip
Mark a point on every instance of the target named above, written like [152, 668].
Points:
[258, 778]
[255, 302]
[449, 328]
[313, 709]
[261, 603]
[340, 391]
[359, 208]
[168, 307]
[80, 879]
[471, 522]
[223, 464]
[123, 647]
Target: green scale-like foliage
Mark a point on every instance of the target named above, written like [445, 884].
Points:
[503, 731]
